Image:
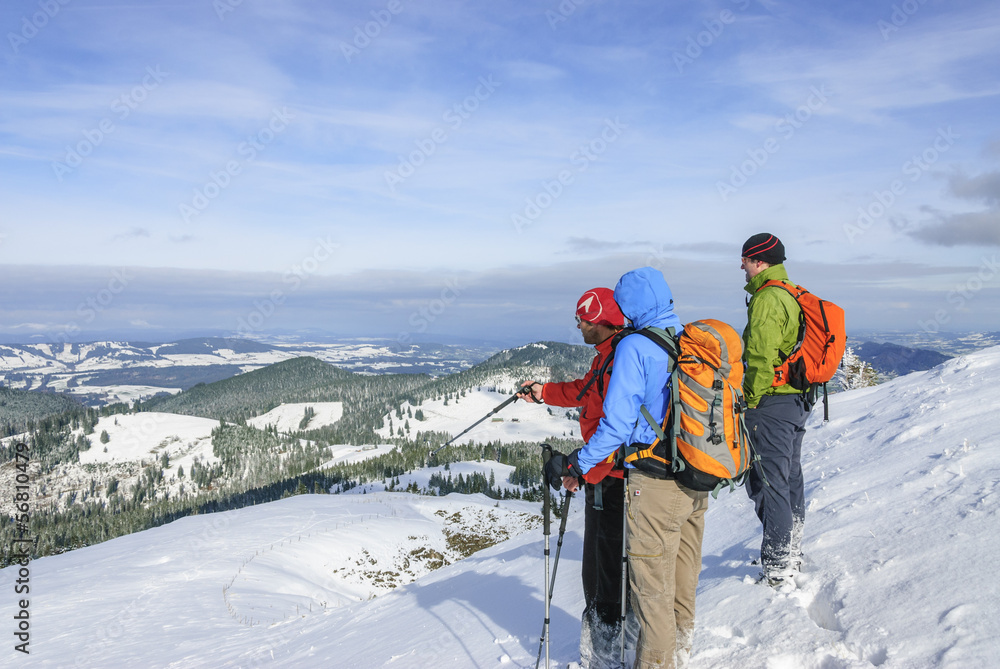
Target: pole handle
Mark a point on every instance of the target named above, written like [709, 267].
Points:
[547, 500]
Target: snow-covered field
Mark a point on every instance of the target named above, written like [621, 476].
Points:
[133, 437]
[124, 394]
[903, 488]
[519, 421]
[287, 417]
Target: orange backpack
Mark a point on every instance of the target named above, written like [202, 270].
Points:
[820, 346]
[703, 441]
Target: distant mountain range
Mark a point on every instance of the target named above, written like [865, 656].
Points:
[895, 360]
[949, 343]
[102, 372]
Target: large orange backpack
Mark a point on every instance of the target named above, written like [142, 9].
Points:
[702, 441]
[820, 347]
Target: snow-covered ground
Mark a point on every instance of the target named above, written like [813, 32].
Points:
[519, 421]
[903, 488]
[346, 453]
[133, 437]
[123, 394]
[287, 417]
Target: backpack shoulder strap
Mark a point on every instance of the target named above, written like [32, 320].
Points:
[796, 292]
[665, 339]
[792, 288]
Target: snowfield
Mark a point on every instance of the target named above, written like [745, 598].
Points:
[133, 437]
[520, 421]
[903, 494]
[126, 394]
[287, 417]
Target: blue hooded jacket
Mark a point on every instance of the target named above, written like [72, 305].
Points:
[640, 369]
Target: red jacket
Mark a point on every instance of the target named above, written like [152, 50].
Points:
[591, 405]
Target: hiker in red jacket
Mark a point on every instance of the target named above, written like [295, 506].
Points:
[599, 319]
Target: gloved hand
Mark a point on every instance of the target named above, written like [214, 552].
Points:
[560, 465]
[531, 391]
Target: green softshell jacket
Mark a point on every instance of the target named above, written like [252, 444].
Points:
[772, 326]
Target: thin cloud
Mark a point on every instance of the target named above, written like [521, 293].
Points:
[134, 233]
[985, 187]
[511, 304]
[977, 228]
[981, 228]
[927, 62]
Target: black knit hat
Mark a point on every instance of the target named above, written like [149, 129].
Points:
[764, 247]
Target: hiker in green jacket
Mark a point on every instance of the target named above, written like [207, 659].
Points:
[777, 415]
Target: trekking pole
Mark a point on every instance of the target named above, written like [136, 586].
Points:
[546, 524]
[523, 391]
[624, 564]
[555, 567]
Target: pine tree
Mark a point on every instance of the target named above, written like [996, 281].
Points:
[855, 372]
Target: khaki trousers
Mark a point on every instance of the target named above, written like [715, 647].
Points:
[666, 523]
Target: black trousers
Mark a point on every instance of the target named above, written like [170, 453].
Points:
[602, 575]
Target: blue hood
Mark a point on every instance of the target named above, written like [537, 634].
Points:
[645, 298]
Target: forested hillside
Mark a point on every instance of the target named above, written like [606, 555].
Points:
[546, 361]
[237, 465]
[366, 397]
[20, 408]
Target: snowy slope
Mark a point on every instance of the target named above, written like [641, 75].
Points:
[902, 509]
[520, 421]
[134, 437]
[287, 417]
[900, 545]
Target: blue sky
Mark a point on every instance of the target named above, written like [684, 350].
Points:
[410, 169]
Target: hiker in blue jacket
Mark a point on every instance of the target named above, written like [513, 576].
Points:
[665, 519]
